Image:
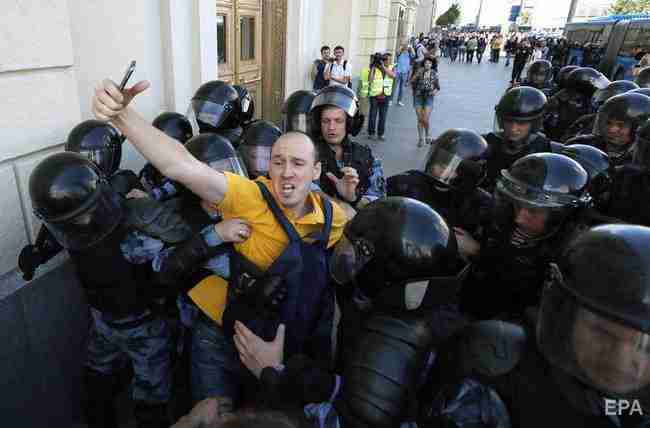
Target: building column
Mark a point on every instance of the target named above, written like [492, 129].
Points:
[374, 31]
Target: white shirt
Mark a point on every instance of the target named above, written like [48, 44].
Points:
[337, 71]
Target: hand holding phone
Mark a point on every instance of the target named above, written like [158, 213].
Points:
[127, 75]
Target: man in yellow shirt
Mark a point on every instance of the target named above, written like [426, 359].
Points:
[288, 223]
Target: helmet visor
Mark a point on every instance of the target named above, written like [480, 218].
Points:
[207, 116]
[257, 159]
[234, 165]
[336, 99]
[91, 225]
[296, 122]
[349, 258]
[443, 165]
[532, 196]
[603, 353]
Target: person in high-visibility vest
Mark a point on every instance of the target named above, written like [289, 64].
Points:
[375, 83]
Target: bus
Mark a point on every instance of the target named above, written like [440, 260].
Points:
[581, 34]
[614, 37]
[627, 34]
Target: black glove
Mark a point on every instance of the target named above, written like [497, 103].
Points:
[256, 303]
[28, 260]
[124, 181]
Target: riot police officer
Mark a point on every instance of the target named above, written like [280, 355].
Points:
[587, 362]
[112, 249]
[538, 202]
[255, 148]
[596, 163]
[455, 167]
[539, 75]
[560, 80]
[178, 127]
[616, 125]
[350, 172]
[101, 144]
[630, 191]
[215, 106]
[405, 278]
[518, 122]
[566, 106]
[585, 124]
[295, 112]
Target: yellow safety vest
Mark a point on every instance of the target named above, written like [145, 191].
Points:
[368, 89]
[388, 83]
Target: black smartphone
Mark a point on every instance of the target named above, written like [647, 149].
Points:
[127, 75]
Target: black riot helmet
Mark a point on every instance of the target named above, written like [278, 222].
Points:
[255, 148]
[336, 96]
[214, 106]
[586, 81]
[596, 163]
[563, 75]
[233, 135]
[418, 244]
[174, 125]
[631, 109]
[521, 104]
[295, 112]
[549, 185]
[641, 156]
[457, 159]
[539, 73]
[74, 200]
[642, 91]
[246, 104]
[217, 152]
[594, 320]
[643, 78]
[617, 87]
[99, 142]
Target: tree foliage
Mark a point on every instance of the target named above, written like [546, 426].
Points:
[621, 7]
[450, 17]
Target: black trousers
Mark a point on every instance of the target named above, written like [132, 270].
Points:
[517, 68]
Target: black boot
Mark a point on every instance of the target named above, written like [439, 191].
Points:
[151, 415]
[98, 404]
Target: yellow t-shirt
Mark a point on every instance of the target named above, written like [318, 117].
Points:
[267, 240]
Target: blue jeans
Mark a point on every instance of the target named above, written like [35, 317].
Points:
[215, 366]
[377, 108]
[398, 86]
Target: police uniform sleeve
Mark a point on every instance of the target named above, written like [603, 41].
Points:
[156, 220]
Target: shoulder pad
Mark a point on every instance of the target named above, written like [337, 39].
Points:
[403, 184]
[491, 348]
[156, 220]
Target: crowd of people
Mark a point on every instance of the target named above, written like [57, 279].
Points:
[512, 270]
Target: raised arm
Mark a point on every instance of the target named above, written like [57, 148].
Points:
[169, 157]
